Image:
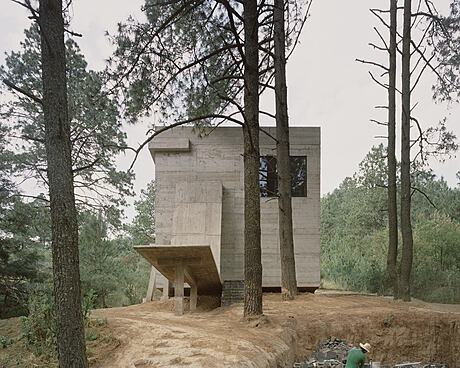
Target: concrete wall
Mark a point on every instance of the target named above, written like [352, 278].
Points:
[197, 215]
[182, 157]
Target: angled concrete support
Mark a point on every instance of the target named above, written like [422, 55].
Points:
[165, 294]
[151, 288]
[179, 289]
[193, 297]
[193, 288]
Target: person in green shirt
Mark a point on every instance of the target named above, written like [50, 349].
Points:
[356, 357]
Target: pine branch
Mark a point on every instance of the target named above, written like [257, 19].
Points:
[424, 194]
[179, 123]
[23, 91]
[78, 169]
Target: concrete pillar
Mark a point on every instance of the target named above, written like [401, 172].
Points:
[166, 288]
[193, 288]
[193, 297]
[179, 289]
[151, 288]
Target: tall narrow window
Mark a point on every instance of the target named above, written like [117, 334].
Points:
[298, 176]
[268, 178]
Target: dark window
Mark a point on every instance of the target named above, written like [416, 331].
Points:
[298, 176]
[268, 178]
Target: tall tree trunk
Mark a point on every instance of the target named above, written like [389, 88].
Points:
[66, 273]
[288, 275]
[252, 248]
[392, 207]
[406, 227]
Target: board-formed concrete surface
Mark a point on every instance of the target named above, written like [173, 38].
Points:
[197, 216]
[183, 159]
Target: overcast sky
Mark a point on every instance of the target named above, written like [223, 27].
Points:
[326, 86]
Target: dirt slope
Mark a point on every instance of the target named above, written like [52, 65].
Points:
[151, 335]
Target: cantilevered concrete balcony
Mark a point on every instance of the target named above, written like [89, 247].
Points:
[194, 253]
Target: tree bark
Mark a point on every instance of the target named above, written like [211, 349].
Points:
[252, 247]
[406, 227]
[66, 273]
[392, 257]
[288, 275]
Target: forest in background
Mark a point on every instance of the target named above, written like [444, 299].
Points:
[354, 233]
[354, 244]
[112, 274]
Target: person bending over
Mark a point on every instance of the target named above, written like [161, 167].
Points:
[356, 357]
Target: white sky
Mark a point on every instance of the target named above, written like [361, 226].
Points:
[326, 86]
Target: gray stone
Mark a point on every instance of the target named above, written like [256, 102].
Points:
[331, 355]
[320, 356]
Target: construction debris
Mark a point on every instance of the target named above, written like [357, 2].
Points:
[332, 353]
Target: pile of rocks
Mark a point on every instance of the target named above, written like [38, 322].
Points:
[332, 353]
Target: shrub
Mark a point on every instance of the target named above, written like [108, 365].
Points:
[39, 327]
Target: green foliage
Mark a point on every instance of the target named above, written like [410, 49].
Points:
[19, 257]
[87, 303]
[175, 59]
[96, 131]
[133, 275]
[110, 270]
[446, 41]
[354, 233]
[437, 258]
[186, 61]
[39, 327]
[98, 267]
[19, 239]
[142, 229]
[5, 342]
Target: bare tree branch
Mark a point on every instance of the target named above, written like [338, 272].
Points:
[372, 63]
[179, 123]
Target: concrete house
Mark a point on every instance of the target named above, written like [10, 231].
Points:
[199, 207]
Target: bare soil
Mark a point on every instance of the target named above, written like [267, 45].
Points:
[150, 335]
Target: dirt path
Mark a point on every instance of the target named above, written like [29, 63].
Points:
[152, 336]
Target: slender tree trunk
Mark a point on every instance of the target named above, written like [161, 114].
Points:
[406, 227]
[252, 248]
[66, 273]
[288, 275]
[392, 258]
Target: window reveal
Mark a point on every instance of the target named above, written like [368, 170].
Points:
[268, 178]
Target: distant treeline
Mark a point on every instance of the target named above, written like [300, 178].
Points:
[111, 272]
[354, 233]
